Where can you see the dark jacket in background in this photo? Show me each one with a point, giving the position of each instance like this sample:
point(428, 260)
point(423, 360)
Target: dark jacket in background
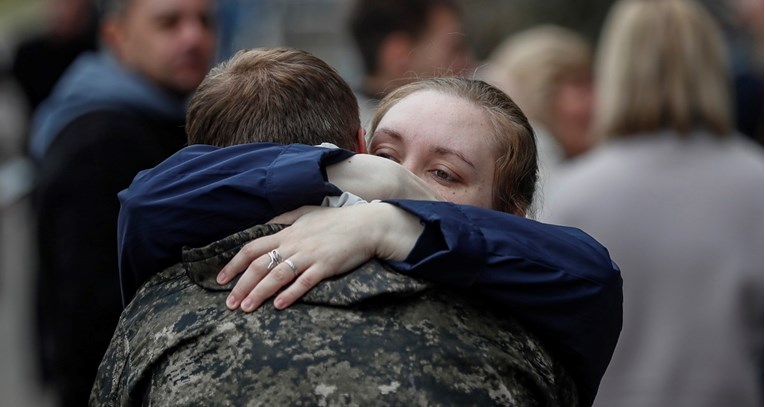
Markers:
point(99, 128)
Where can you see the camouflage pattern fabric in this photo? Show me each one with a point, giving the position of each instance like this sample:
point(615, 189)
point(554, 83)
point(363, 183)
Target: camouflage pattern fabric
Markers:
point(370, 337)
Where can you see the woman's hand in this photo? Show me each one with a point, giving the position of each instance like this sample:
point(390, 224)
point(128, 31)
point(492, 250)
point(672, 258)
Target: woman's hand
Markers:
point(322, 242)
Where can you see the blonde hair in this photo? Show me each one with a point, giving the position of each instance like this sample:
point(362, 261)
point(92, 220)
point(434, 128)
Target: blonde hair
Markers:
point(661, 66)
point(515, 173)
point(532, 63)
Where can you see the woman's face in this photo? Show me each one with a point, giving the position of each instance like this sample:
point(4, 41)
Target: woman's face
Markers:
point(442, 139)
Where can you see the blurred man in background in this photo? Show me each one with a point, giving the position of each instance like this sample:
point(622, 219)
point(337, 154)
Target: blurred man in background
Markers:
point(403, 40)
point(111, 115)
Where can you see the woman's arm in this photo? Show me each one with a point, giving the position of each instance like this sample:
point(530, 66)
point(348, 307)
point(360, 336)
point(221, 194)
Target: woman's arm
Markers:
point(322, 242)
point(204, 193)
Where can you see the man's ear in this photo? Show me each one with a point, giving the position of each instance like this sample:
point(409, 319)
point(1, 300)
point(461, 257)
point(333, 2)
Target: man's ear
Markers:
point(361, 141)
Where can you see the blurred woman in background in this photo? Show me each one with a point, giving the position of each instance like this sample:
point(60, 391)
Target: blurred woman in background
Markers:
point(547, 70)
point(677, 198)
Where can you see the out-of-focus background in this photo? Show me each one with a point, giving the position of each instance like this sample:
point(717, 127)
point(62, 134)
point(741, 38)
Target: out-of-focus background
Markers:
point(318, 26)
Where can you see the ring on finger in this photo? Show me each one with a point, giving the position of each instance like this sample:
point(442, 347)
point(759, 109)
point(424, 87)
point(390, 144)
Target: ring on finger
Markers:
point(275, 257)
point(292, 266)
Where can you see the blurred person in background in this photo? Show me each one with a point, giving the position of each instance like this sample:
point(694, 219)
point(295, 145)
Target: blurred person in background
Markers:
point(677, 197)
point(41, 60)
point(111, 115)
point(548, 71)
point(400, 41)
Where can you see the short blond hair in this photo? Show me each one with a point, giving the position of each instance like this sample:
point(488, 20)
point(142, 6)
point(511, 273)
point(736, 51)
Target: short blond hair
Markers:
point(533, 62)
point(661, 66)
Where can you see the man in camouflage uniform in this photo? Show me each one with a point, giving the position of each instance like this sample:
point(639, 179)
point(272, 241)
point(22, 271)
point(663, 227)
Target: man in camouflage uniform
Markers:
point(369, 337)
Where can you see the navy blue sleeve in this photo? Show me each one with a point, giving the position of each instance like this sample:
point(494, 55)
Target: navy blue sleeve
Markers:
point(205, 193)
point(558, 281)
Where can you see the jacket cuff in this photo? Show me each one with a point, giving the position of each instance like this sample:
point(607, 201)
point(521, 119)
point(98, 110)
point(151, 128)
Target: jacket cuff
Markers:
point(450, 250)
point(298, 174)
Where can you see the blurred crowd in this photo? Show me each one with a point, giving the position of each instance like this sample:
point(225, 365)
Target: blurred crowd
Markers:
point(649, 137)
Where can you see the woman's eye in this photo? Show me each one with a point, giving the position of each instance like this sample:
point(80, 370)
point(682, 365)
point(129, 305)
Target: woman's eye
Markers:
point(443, 175)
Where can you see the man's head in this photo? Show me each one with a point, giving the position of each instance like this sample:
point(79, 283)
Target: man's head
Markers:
point(276, 95)
point(171, 42)
point(403, 40)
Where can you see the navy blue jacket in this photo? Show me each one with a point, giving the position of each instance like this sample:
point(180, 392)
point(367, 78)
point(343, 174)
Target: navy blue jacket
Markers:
point(557, 280)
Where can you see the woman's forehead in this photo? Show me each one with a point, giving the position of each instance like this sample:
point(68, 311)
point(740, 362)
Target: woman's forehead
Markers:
point(437, 119)
point(430, 109)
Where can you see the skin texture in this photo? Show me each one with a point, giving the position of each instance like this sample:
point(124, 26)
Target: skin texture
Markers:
point(442, 139)
point(170, 41)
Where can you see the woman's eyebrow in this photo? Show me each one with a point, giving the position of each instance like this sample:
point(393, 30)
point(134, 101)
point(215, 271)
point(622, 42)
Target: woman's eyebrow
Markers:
point(388, 132)
point(447, 151)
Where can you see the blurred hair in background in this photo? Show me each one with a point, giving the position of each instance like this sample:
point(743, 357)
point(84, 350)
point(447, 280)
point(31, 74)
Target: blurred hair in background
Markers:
point(547, 70)
point(676, 195)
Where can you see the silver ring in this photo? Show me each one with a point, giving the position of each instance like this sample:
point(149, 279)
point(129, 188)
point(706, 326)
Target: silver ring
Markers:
point(292, 266)
point(275, 257)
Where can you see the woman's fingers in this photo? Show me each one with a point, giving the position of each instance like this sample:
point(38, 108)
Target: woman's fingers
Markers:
point(303, 283)
point(254, 273)
point(243, 259)
point(266, 287)
point(321, 243)
point(290, 217)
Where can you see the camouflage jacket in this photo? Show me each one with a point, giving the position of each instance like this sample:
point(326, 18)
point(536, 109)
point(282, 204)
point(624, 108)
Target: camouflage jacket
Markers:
point(370, 337)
